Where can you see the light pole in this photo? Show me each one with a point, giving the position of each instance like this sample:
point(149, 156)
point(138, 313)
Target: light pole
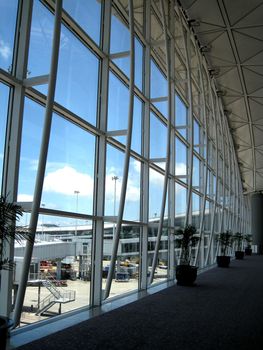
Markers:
point(42, 224)
point(76, 192)
point(114, 178)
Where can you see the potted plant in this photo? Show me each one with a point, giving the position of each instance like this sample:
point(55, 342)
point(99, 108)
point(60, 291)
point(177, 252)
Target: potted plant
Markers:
point(10, 213)
point(239, 253)
point(248, 239)
point(225, 240)
point(186, 239)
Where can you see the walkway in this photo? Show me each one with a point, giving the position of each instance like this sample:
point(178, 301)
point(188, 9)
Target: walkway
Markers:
point(223, 311)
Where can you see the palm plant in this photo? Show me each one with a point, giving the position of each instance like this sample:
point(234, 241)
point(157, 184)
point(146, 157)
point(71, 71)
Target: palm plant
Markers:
point(186, 240)
point(10, 213)
point(225, 240)
point(238, 237)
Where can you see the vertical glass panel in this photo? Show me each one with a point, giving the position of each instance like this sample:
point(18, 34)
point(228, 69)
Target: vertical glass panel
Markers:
point(158, 139)
point(8, 14)
point(118, 104)
point(40, 42)
point(4, 97)
point(180, 205)
point(120, 43)
point(196, 172)
point(77, 79)
point(87, 14)
point(156, 181)
point(181, 116)
point(118, 112)
point(195, 210)
point(207, 217)
point(196, 136)
point(180, 160)
point(158, 82)
point(62, 259)
point(127, 262)
point(162, 261)
point(132, 200)
point(31, 138)
point(114, 171)
point(69, 177)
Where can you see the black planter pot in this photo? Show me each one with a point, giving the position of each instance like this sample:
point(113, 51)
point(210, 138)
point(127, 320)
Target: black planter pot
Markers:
point(223, 261)
point(248, 251)
point(186, 275)
point(239, 255)
point(4, 325)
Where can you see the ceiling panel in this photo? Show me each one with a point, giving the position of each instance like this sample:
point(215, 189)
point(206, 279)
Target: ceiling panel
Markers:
point(234, 39)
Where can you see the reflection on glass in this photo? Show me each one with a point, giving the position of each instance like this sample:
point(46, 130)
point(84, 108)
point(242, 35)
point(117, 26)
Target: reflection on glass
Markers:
point(4, 96)
point(8, 14)
point(87, 14)
point(126, 274)
point(60, 269)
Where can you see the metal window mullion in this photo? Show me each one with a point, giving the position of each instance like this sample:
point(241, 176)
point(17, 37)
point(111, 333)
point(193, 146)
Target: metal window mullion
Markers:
point(215, 112)
point(188, 216)
point(168, 146)
point(203, 205)
point(13, 140)
point(101, 146)
point(171, 188)
point(146, 151)
point(41, 163)
point(223, 128)
point(127, 157)
point(229, 226)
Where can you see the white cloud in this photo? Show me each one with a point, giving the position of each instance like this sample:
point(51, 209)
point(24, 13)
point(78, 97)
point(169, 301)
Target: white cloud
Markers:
point(5, 50)
point(24, 198)
point(66, 180)
point(132, 194)
point(180, 169)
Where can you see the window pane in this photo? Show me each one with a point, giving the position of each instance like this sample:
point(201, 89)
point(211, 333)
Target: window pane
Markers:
point(40, 42)
point(158, 137)
point(8, 13)
point(120, 42)
point(180, 205)
point(87, 14)
point(127, 262)
point(196, 172)
point(158, 87)
point(180, 160)
point(156, 181)
point(77, 80)
point(196, 136)
point(31, 137)
point(195, 210)
point(4, 96)
point(180, 116)
point(69, 177)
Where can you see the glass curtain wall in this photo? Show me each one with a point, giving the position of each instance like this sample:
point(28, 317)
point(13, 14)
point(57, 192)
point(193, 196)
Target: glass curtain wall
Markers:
point(108, 212)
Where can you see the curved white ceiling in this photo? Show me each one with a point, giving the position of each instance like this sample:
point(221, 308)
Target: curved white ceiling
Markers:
point(230, 33)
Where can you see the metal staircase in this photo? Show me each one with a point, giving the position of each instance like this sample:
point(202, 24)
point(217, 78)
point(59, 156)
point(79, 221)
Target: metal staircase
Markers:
point(56, 296)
